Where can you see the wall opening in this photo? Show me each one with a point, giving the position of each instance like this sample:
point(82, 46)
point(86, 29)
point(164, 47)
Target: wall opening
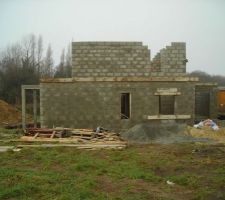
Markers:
point(125, 105)
point(202, 102)
point(166, 104)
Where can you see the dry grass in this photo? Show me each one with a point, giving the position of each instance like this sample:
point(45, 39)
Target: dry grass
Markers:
point(217, 135)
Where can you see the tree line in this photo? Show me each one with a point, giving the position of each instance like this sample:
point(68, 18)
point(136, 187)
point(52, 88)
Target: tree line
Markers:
point(205, 77)
point(26, 62)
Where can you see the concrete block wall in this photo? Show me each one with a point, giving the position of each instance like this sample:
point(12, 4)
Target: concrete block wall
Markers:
point(92, 104)
point(170, 61)
point(110, 59)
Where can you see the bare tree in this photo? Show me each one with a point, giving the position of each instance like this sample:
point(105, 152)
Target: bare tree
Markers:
point(62, 59)
point(204, 77)
point(17, 68)
point(48, 63)
point(33, 50)
point(60, 69)
point(64, 67)
point(68, 61)
point(28, 48)
point(12, 56)
point(39, 54)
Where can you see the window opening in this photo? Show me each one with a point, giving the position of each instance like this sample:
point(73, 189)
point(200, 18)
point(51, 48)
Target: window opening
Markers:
point(125, 105)
point(166, 104)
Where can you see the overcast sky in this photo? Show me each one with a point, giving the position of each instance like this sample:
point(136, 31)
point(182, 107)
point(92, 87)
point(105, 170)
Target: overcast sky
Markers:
point(199, 23)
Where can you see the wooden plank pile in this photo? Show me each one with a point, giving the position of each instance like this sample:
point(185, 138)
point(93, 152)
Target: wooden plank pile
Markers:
point(45, 132)
point(89, 146)
point(78, 138)
point(71, 135)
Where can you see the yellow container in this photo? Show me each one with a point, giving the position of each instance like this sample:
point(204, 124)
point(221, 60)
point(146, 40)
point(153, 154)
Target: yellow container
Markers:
point(221, 101)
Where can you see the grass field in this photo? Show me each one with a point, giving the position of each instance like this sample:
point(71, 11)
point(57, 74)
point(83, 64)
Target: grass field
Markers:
point(138, 172)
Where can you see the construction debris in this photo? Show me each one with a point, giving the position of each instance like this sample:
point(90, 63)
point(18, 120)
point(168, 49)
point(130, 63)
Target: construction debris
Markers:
point(9, 148)
point(93, 139)
point(45, 132)
point(170, 182)
point(6, 148)
point(208, 123)
point(78, 146)
point(84, 134)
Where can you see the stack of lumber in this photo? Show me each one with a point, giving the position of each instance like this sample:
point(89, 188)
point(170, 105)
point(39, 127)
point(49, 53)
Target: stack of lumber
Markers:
point(88, 134)
point(45, 132)
point(78, 138)
point(71, 135)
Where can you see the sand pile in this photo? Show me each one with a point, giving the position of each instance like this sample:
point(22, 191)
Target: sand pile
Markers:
point(8, 114)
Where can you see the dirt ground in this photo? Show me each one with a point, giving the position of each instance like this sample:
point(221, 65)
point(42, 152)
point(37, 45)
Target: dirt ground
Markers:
point(8, 113)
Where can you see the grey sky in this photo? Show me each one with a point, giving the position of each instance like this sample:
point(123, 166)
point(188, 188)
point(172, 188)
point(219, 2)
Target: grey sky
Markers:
point(199, 23)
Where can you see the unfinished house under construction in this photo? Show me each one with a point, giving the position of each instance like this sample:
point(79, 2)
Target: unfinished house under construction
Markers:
point(116, 85)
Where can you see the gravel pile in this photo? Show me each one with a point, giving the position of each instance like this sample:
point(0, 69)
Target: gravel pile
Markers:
point(160, 133)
